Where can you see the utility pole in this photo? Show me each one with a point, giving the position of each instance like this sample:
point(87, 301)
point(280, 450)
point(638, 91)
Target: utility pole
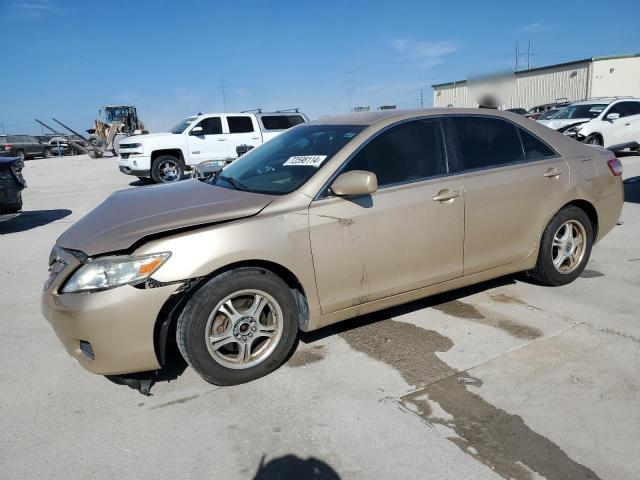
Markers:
point(2, 126)
point(421, 98)
point(529, 55)
point(517, 56)
point(222, 93)
point(349, 87)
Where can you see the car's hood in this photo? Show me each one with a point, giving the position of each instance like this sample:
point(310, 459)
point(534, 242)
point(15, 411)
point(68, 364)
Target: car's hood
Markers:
point(130, 215)
point(562, 122)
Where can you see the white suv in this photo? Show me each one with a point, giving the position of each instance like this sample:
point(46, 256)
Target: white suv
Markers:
point(613, 123)
point(212, 138)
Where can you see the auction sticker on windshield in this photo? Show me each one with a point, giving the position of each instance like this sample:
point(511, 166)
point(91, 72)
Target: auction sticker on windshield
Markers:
point(306, 160)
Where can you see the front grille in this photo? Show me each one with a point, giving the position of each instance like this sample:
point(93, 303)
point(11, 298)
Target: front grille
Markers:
point(124, 155)
point(87, 349)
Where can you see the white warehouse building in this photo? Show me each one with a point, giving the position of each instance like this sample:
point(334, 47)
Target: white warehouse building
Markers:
point(592, 77)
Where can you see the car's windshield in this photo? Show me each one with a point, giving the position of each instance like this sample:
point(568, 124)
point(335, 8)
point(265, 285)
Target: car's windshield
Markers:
point(283, 164)
point(179, 128)
point(548, 114)
point(589, 110)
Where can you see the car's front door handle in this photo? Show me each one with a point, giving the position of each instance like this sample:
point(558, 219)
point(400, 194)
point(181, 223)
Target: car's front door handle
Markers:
point(445, 195)
point(221, 139)
point(552, 173)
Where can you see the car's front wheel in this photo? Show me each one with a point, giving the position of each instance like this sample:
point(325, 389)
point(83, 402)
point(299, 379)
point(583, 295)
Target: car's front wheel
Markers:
point(593, 139)
point(167, 169)
point(239, 326)
point(46, 153)
point(565, 247)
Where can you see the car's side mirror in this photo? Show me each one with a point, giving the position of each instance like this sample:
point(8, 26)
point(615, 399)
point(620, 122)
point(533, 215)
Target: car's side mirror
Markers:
point(356, 182)
point(196, 131)
point(613, 116)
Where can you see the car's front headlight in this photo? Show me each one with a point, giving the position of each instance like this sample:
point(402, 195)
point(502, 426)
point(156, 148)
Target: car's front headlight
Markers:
point(109, 272)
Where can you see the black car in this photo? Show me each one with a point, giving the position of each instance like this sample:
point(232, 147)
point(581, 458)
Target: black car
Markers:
point(11, 185)
point(23, 146)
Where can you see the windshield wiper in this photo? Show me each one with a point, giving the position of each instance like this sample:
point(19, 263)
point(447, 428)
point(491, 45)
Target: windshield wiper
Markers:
point(236, 184)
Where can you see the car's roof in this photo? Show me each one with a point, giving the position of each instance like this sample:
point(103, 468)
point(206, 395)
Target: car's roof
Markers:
point(245, 113)
point(370, 118)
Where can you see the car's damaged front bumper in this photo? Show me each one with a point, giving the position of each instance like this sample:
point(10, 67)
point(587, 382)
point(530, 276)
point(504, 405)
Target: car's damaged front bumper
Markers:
point(109, 332)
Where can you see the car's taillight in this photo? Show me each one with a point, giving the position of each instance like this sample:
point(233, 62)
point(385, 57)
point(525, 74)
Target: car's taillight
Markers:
point(615, 166)
point(7, 147)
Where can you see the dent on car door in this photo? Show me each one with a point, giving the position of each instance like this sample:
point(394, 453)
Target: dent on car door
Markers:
point(407, 235)
point(513, 182)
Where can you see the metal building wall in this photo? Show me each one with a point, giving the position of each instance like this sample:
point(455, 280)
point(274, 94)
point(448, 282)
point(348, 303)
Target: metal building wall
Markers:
point(532, 88)
point(615, 77)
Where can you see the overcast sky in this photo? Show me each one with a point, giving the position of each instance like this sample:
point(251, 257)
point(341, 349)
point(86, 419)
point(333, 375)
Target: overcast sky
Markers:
point(68, 58)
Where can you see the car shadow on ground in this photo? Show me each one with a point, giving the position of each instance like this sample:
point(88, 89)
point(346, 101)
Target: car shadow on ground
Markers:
point(32, 219)
point(420, 304)
point(626, 153)
point(175, 365)
point(632, 190)
point(291, 467)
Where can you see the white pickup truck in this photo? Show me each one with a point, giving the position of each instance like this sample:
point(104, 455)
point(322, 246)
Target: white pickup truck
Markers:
point(210, 137)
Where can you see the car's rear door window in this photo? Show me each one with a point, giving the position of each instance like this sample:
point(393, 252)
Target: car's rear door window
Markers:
point(534, 149)
point(405, 153)
point(485, 142)
point(240, 124)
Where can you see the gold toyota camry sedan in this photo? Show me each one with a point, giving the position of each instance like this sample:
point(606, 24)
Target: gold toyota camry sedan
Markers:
point(332, 219)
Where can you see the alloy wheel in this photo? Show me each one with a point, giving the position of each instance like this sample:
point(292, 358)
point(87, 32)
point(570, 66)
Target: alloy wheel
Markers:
point(568, 246)
point(169, 171)
point(244, 328)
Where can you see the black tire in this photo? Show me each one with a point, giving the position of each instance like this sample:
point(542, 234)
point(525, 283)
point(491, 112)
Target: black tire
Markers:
point(593, 139)
point(192, 325)
point(167, 169)
point(545, 272)
point(46, 153)
point(7, 208)
point(20, 153)
point(145, 179)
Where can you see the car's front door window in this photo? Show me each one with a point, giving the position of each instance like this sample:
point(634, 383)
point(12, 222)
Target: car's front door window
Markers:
point(405, 153)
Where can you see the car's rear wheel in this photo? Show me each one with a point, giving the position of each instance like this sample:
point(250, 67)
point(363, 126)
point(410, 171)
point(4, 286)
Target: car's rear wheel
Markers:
point(239, 326)
point(565, 247)
point(167, 169)
point(20, 153)
point(593, 139)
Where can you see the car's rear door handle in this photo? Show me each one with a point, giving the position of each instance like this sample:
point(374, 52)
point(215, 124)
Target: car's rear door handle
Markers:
point(552, 173)
point(221, 139)
point(444, 195)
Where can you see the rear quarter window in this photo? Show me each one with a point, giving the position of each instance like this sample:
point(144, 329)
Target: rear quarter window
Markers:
point(280, 122)
point(534, 149)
